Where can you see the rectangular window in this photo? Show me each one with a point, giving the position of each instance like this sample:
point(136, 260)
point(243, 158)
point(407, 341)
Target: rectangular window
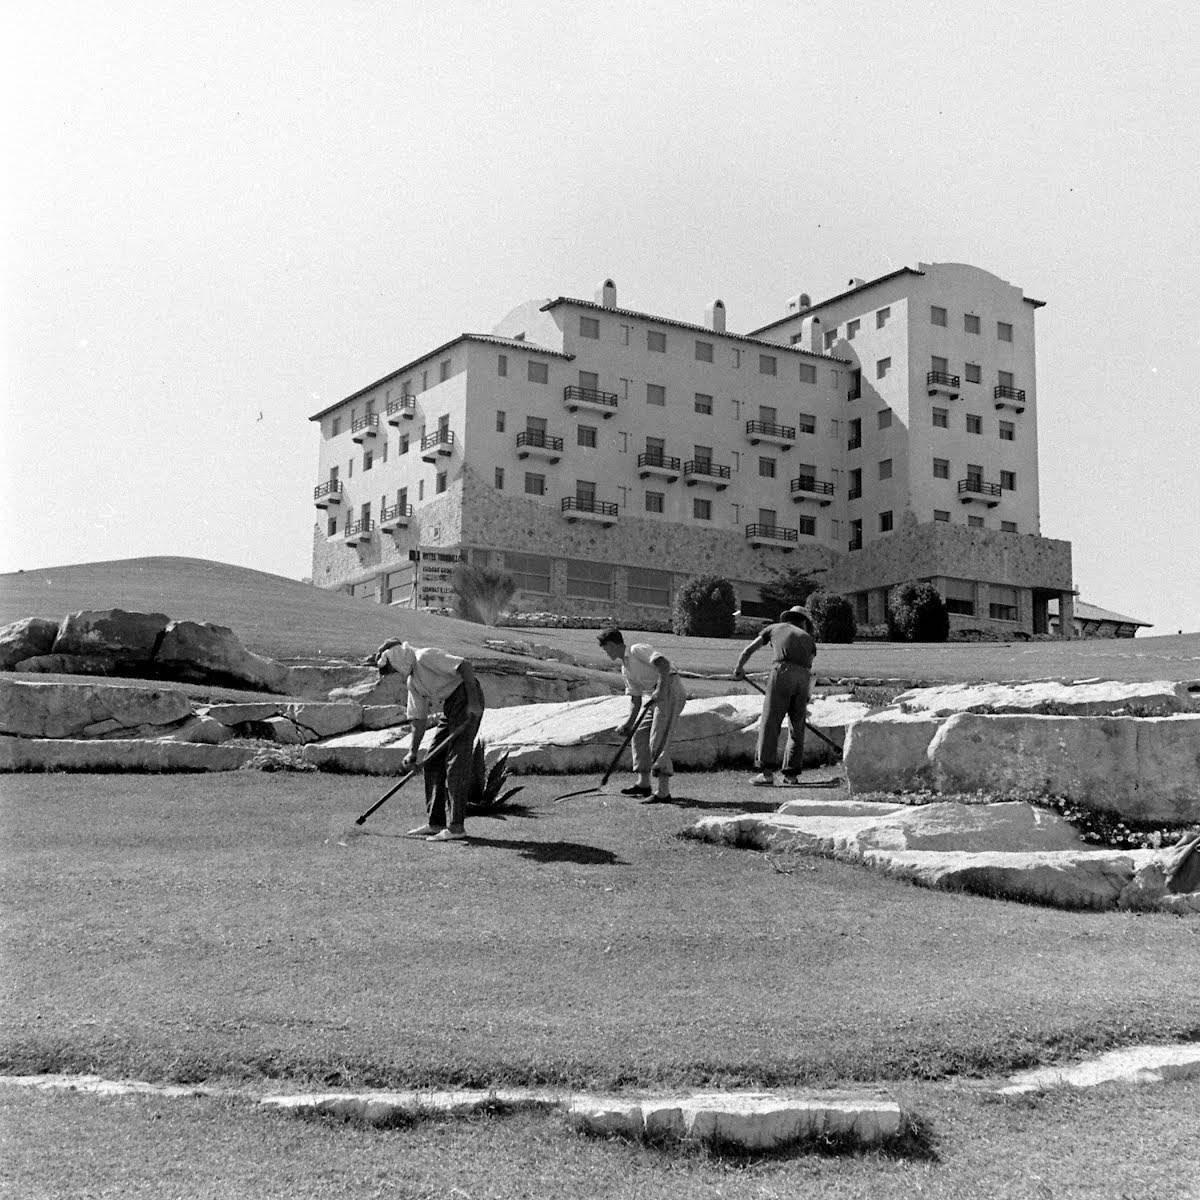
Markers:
point(502, 365)
point(808, 526)
point(440, 482)
point(767, 364)
point(736, 358)
point(885, 468)
point(1002, 602)
point(852, 328)
point(974, 423)
point(855, 430)
point(368, 459)
point(500, 479)
point(537, 426)
point(702, 509)
point(424, 381)
point(589, 327)
point(538, 372)
point(535, 485)
point(444, 370)
point(767, 413)
point(973, 372)
point(1008, 431)
point(855, 384)
point(768, 517)
point(656, 341)
point(1004, 331)
point(704, 403)
point(336, 427)
point(1008, 526)
point(854, 484)
point(937, 316)
point(881, 317)
point(704, 351)
point(831, 338)
point(941, 418)
point(941, 468)
point(644, 586)
point(806, 423)
point(404, 443)
point(1004, 378)
point(970, 323)
point(885, 418)
point(808, 373)
point(499, 420)
point(530, 572)
point(1008, 481)
point(586, 436)
point(589, 580)
point(882, 367)
point(420, 490)
point(656, 394)
point(331, 529)
point(766, 468)
point(937, 363)
point(654, 501)
point(885, 521)
point(940, 514)
point(975, 522)
point(960, 597)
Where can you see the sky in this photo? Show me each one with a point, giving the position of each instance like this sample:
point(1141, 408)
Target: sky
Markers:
point(220, 218)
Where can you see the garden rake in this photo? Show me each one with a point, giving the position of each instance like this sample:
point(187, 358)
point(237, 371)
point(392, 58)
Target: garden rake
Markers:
point(356, 829)
point(612, 766)
point(811, 728)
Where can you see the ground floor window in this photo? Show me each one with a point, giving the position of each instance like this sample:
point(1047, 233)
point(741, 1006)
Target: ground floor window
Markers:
point(960, 597)
point(589, 580)
point(530, 572)
point(644, 586)
point(1002, 603)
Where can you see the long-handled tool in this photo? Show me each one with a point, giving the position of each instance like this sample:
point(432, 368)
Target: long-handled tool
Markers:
point(439, 747)
point(612, 766)
point(812, 728)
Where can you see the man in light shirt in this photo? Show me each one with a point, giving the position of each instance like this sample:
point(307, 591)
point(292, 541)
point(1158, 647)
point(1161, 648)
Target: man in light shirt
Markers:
point(647, 672)
point(437, 677)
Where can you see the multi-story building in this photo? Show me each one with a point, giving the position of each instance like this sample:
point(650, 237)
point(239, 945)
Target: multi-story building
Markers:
point(603, 455)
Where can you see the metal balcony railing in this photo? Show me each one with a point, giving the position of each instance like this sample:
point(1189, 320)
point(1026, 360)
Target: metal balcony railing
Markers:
point(1005, 391)
point(604, 508)
point(370, 421)
point(589, 396)
point(439, 437)
point(405, 406)
point(941, 378)
point(775, 532)
point(854, 443)
point(705, 467)
point(770, 429)
point(809, 483)
point(541, 441)
point(395, 512)
point(977, 487)
point(359, 528)
point(854, 494)
point(656, 458)
point(331, 487)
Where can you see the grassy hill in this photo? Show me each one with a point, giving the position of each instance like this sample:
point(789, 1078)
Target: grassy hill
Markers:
point(294, 621)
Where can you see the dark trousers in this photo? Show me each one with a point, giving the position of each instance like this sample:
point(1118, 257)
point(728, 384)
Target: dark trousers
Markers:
point(448, 776)
point(787, 696)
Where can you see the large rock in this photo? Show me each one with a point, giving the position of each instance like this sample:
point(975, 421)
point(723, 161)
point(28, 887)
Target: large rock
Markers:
point(131, 637)
point(70, 664)
point(67, 754)
point(30, 637)
point(203, 651)
point(322, 720)
point(316, 682)
point(1086, 699)
point(1147, 769)
point(55, 710)
point(202, 731)
point(887, 751)
point(244, 713)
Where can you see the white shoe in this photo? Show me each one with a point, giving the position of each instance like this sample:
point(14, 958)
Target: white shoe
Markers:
point(425, 831)
point(763, 780)
point(449, 835)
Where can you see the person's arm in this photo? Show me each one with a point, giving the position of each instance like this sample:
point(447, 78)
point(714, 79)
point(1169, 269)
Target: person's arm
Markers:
point(662, 664)
point(739, 672)
point(418, 732)
point(474, 704)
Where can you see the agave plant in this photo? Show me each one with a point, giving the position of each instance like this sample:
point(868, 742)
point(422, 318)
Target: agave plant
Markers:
point(488, 791)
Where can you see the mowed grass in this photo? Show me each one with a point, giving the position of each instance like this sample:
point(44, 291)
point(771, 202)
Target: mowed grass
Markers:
point(201, 928)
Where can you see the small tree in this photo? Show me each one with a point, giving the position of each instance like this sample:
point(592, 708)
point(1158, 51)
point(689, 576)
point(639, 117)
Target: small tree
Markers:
point(792, 585)
point(833, 617)
point(481, 593)
point(916, 612)
point(704, 607)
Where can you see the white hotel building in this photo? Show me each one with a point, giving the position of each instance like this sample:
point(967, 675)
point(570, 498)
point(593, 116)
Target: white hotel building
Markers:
point(603, 455)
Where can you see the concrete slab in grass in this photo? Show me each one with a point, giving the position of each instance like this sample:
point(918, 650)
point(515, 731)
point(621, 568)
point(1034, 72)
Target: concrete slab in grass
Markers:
point(1133, 1065)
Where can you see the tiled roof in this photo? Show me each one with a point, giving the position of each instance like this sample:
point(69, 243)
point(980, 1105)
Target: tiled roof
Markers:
point(1091, 612)
point(862, 287)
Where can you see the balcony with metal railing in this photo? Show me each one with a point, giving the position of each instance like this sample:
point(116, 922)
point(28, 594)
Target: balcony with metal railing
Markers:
point(582, 508)
point(395, 516)
point(439, 443)
point(1007, 396)
point(590, 399)
point(855, 544)
point(655, 462)
point(536, 444)
point(772, 535)
point(327, 493)
point(364, 428)
point(809, 489)
point(358, 532)
point(402, 409)
point(942, 383)
point(707, 473)
point(783, 436)
point(972, 490)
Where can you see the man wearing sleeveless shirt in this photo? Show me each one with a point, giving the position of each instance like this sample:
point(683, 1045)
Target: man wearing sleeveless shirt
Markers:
point(793, 649)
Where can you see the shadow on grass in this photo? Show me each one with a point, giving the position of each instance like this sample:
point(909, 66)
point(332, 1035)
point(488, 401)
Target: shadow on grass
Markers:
point(553, 852)
point(730, 806)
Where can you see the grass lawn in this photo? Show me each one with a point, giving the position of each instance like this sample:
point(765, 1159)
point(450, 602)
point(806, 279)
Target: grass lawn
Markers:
point(198, 927)
point(1115, 1145)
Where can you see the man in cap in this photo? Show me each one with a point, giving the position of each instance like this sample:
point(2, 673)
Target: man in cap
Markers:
point(793, 649)
point(434, 677)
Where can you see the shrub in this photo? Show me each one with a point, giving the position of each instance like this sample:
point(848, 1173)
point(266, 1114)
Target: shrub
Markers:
point(704, 607)
point(786, 587)
point(488, 792)
point(916, 612)
point(481, 593)
point(833, 617)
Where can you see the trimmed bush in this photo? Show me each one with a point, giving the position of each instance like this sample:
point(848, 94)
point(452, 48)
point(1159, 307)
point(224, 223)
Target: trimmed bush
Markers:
point(916, 612)
point(481, 593)
point(787, 587)
point(704, 607)
point(833, 616)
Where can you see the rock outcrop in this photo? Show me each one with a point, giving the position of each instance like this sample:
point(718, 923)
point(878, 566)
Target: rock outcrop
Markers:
point(25, 639)
point(59, 710)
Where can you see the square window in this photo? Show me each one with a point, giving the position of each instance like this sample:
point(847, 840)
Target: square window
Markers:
point(970, 323)
point(831, 338)
point(941, 365)
point(941, 468)
point(885, 521)
point(882, 367)
point(440, 482)
point(808, 526)
point(885, 418)
point(500, 479)
point(1008, 527)
point(808, 373)
point(586, 436)
point(704, 351)
point(973, 372)
point(806, 423)
point(941, 418)
point(1004, 331)
point(766, 468)
point(502, 365)
point(881, 317)
point(656, 394)
point(589, 327)
point(1008, 431)
point(885, 468)
point(656, 341)
point(975, 522)
point(974, 423)
point(538, 372)
point(704, 403)
point(852, 328)
point(654, 501)
point(1008, 481)
point(767, 364)
point(702, 509)
point(535, 485)
point(937, 316)
point(499, 420)
point(940, 514)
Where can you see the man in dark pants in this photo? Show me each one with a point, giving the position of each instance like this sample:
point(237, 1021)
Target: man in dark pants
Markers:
point(437, 677)
point(793, 649)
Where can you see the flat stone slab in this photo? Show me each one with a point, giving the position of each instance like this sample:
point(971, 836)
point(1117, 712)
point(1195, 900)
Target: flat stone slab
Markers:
point(1133, 1065)
point(118, 754)
point(1089, 698)
point(53, 710)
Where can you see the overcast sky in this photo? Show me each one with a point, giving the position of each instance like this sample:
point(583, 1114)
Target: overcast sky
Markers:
point(222, 217)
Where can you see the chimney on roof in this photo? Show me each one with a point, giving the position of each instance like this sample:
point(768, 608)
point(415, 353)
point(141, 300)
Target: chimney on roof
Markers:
point(606, 294)
point(810, 335)
point(797, 304)
point(856, 282)
point(714, 316)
